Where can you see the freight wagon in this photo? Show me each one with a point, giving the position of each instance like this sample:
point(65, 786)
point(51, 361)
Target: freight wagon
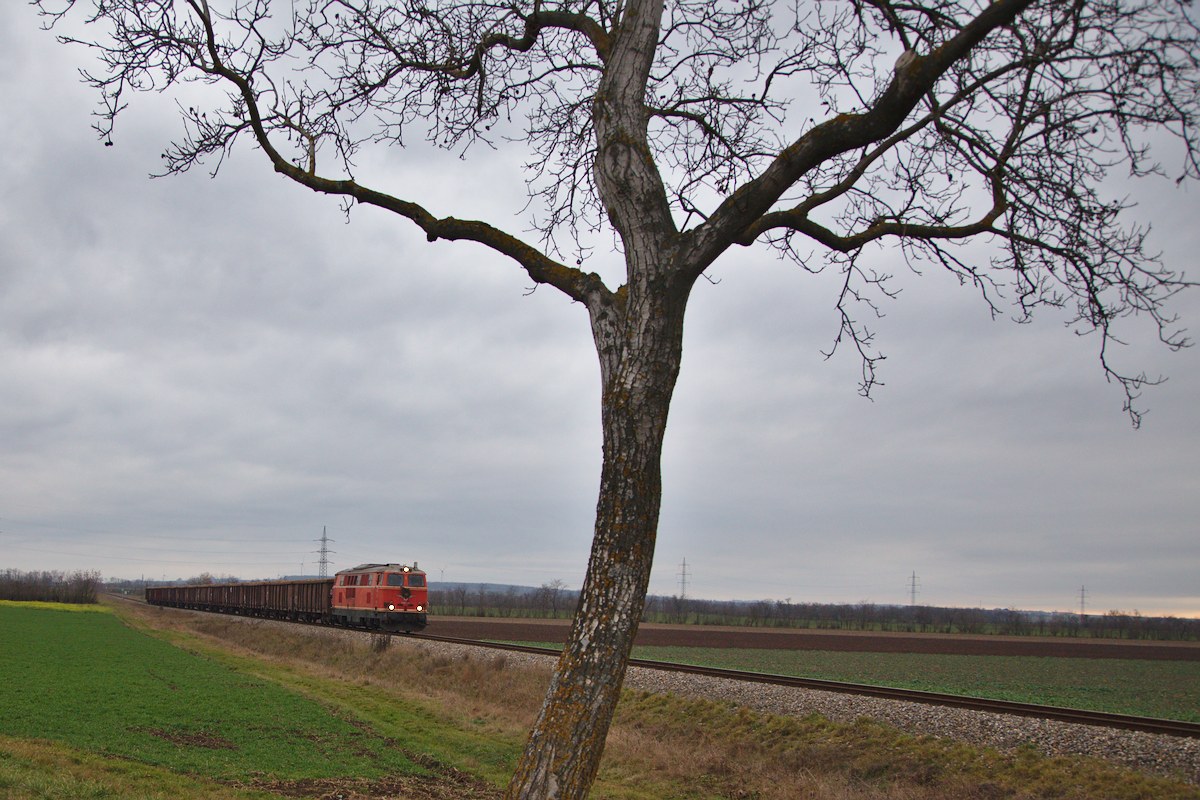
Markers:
point(392, 597)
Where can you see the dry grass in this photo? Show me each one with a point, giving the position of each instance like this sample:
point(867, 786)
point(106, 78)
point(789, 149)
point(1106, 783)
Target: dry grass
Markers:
point(664, 747)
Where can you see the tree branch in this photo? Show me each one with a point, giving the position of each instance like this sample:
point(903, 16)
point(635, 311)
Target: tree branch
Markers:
point(585, 288)
point(913, 79)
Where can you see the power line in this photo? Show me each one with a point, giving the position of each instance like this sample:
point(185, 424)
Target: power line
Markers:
point(71, 530)
point(236, 560)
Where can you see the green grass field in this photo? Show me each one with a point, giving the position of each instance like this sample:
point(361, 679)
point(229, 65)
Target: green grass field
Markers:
point(1166, 689)
point(90, 682)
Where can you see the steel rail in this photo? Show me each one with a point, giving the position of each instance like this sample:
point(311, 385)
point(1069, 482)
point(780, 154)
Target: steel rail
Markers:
point(1057, 713)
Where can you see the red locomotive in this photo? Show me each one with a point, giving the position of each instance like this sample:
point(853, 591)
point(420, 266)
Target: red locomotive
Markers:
point(391, 597)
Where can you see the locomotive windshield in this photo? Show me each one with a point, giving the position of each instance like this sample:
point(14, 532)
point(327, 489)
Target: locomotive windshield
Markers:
point(397, 579)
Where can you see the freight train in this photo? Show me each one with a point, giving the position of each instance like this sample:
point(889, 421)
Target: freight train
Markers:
point(390, 597)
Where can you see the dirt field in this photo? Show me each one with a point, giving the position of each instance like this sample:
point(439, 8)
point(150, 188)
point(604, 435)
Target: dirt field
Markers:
point(527, 630)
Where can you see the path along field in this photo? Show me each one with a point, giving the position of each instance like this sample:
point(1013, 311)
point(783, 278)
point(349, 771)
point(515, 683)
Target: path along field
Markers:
point(1154, 679)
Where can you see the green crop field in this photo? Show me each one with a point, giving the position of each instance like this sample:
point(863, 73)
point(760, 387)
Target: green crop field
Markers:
point(1166, 689)
point(90, 682)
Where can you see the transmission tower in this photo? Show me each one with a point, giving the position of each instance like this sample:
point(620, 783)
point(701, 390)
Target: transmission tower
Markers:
point(912, 590)
point(683, 579)
point(1082, 604)
point(323, 563)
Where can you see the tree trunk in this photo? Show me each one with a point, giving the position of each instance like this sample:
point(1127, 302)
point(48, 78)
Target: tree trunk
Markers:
point(640, 349)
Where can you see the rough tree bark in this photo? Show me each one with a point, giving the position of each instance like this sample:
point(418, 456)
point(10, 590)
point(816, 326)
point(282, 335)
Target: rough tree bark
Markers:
point(641, 350)
point(639, 341)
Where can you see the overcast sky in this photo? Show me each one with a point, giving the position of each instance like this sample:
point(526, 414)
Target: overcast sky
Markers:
point(199, 375)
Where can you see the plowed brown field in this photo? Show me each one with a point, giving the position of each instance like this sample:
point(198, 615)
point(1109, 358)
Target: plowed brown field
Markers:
point(555, 631)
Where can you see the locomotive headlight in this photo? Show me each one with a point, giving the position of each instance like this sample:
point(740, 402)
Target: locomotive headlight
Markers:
point(391, 606)
point(420, 608)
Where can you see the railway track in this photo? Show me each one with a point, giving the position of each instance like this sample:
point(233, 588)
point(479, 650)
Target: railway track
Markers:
point(1076, 716)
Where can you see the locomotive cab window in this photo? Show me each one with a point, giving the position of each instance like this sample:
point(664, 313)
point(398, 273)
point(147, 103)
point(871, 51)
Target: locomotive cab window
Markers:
point(416, 580)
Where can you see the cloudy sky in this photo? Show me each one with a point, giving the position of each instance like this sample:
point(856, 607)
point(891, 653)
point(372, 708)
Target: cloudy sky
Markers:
point(200, 375)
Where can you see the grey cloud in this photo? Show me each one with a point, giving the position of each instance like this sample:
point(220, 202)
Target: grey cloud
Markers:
point(199, 374)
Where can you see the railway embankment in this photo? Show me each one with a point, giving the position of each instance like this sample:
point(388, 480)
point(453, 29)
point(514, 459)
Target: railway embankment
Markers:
point(1153, 753)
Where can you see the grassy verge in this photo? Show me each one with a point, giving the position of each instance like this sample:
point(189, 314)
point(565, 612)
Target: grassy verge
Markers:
point(783, 757)
point(52, 771)
point(462, 720)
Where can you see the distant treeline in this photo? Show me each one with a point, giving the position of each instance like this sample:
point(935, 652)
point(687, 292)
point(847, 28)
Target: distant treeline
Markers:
point(554, 600)
point(49, 587)
point(550, 600)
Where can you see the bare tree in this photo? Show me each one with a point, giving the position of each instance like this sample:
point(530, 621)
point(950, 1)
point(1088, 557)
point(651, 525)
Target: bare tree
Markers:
point(827, 130)
point(458, 597)
point(554, 594)
point(50, 586)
